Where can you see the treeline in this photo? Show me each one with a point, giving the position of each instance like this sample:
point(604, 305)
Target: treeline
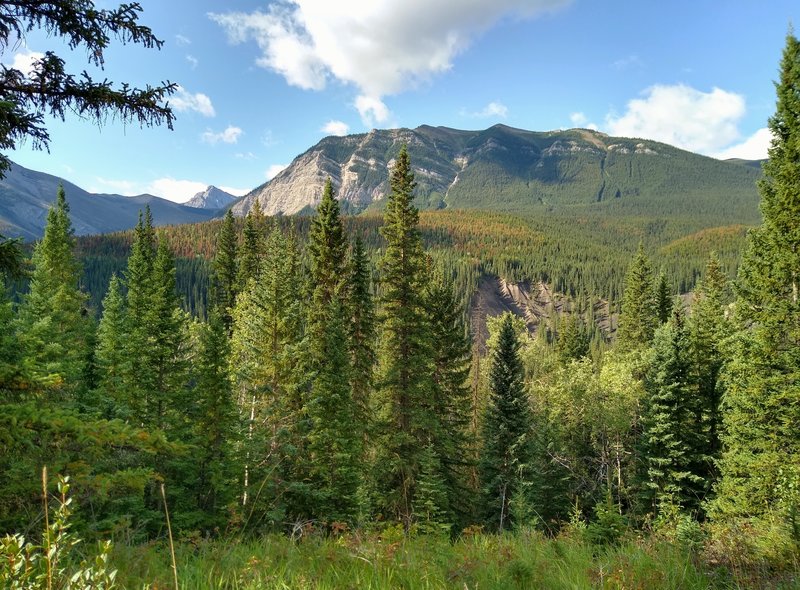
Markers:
point(328, 390)
point(576, 252)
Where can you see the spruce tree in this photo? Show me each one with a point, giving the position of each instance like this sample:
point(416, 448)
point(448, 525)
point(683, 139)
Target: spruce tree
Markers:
point(451, 400)
point(252, 251)
point(506, 452)
point(573, 338)
point(405, 356)
point(334, 435)
point(52, 324)
point(267, 349)
point(225, 276)
point(215, 426)
point(669, 422)
point(110, 353)
point(139, 282)
point(708, 330)
point(361, 329)
point(639, 314)
point(663, 298)
point(761, 441)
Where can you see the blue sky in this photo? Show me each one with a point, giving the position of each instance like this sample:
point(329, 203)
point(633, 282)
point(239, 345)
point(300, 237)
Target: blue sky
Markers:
point(261, 82)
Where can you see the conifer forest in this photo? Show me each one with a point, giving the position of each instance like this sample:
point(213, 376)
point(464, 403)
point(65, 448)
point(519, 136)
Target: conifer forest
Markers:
point(310, 402)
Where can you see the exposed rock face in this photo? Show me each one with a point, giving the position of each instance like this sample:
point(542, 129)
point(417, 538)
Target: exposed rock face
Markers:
point(500, 167)
point(211, 198)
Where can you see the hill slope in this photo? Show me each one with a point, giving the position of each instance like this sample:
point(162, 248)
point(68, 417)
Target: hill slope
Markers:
point(211, 198)
point(502, 168)
point(26, 195)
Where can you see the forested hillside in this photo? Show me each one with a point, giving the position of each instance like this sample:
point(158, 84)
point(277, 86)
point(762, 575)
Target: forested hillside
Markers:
point(328, 416)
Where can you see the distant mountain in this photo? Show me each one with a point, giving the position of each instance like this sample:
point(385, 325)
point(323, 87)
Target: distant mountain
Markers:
point(26, 195)
point(502, 168)
point(211, 198)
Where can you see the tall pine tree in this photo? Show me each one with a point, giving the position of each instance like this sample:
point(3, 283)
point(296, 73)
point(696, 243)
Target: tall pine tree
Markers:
point(639, 314)
point(225, 283)
point(761, 441)
point(52, 324)
point(507, 451)
point(406, 422)
point(334, 435)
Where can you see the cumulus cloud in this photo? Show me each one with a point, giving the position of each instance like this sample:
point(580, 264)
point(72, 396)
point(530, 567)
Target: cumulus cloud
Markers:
point(274, 170)
point(704, 122)
point(579, 119)
point(753, 148)
point(381, 48)
point(335, 128)
point(494, 109)
point(372, 110)
point(127, 188)
point(183, 101)
point(230, 134)
point(236, 192)
point(178, 191)
point(23, 60)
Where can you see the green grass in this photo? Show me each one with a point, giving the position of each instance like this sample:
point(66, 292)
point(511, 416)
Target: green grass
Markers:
point(522, 560)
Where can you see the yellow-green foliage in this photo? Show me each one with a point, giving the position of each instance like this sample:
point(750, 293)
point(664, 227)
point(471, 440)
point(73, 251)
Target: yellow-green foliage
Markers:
point(390, 560)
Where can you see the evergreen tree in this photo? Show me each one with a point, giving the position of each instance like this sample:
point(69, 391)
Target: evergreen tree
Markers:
point(334, 439)
point(267, 347)
point(225, 277)
point(506, 452)
point(405, 356)
point(139, 281)
point(451, 401)
point(361, 329)
point(669, 422)
point(110, 353)
point(708, 330)
point(573, 338)
point(253, 245)
point(663, 298)
point(639, 314)
point(215, 426)
point(761, 440)
point(334, 435)
point(53, 325)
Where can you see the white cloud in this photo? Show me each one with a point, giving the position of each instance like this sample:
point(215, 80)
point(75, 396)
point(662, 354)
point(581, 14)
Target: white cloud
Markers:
point(753, 148)
point(182, 40)
point(579, 119)
point(236, 192)
point(372, 110)
point(625, 63)
point(183, 101)
point(680, 115)
point(23, 60)
point(178, 191)
point(230, 134)
point(245, 155)
point(381, 48)
point(127, 188)
point(493, 109)
point(274, 170)
point(193, 61)
point(335, 128)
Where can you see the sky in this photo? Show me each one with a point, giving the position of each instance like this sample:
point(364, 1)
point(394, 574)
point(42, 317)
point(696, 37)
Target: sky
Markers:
point(261, 82)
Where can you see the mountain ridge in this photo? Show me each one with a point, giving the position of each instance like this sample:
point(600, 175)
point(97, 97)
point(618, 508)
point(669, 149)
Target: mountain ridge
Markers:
point(26, 195)
point(501, 168)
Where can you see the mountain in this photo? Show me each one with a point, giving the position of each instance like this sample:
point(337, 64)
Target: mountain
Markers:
point(26, 195)
point(211, 198)
point(502, 168)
